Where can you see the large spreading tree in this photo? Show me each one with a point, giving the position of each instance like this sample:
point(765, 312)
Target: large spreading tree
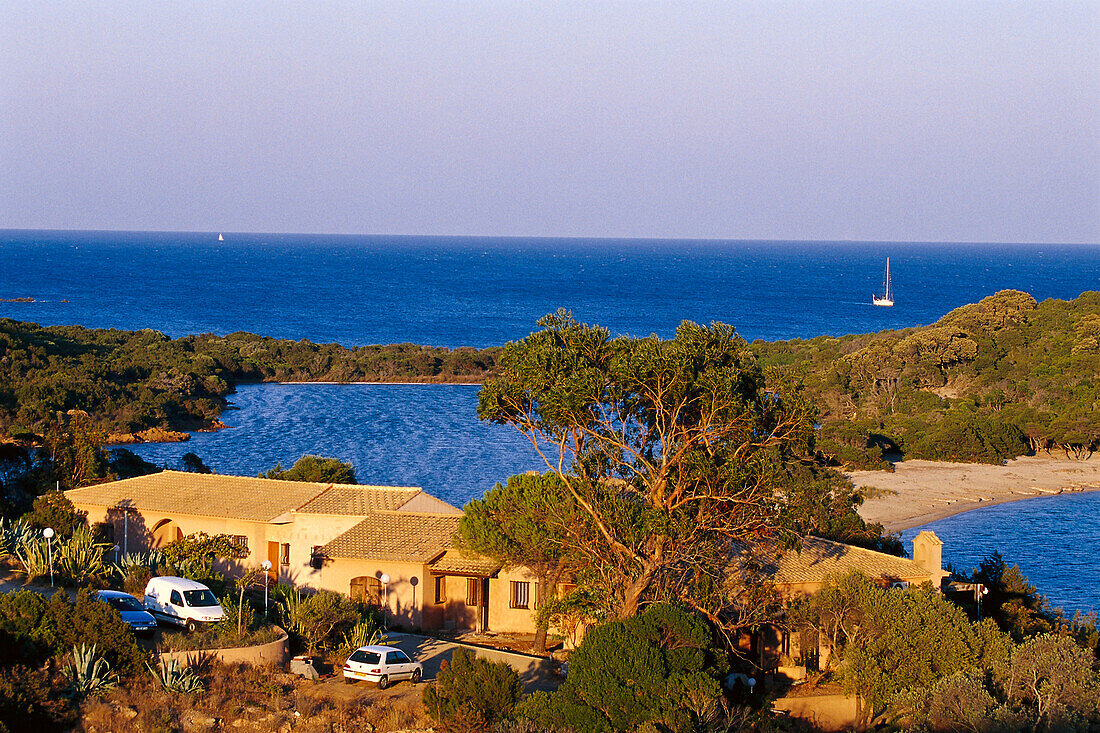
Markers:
point(668, 451)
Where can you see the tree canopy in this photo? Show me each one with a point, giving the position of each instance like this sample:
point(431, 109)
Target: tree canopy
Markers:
point(668, 451)
point(315, 469)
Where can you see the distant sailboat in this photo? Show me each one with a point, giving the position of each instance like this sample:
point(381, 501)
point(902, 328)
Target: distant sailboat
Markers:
point(221, 238)
point(887, 298)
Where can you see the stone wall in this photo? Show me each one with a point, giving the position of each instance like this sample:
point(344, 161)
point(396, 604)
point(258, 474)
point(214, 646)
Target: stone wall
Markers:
point(273, 652)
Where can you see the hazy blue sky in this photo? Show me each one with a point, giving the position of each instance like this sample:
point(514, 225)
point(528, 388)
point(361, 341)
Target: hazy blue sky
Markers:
point(954, 121)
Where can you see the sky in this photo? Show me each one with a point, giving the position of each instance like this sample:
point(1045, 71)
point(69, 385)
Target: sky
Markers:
point(897, 121)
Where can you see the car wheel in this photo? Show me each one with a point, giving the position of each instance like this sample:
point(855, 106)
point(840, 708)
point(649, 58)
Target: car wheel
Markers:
point(192, 626)
point(383, 682)
point(416, 676)
point(349, 681)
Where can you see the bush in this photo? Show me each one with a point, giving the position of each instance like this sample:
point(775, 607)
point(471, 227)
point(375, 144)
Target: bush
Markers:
point(29, 702)
point(658, 669)
point(54, 509)
point(38, 629)
point(471, 693)
point(135, 579)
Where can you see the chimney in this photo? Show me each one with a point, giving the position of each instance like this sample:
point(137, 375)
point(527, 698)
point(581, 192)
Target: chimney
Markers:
point(928, 553)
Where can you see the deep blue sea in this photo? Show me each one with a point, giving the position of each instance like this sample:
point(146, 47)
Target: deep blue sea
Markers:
point(484, 291)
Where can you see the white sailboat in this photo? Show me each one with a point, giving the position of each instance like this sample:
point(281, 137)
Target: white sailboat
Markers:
point(887, 298)
point(221, 238)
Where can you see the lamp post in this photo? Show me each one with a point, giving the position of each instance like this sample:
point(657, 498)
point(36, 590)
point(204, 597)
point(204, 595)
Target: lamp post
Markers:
point(385, 600)
point(48, 534)
point(980, 591)
point(266, 565)
point(116, 548)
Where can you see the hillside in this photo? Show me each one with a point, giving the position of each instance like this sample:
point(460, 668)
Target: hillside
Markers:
point(133, 380)
point(989, 381)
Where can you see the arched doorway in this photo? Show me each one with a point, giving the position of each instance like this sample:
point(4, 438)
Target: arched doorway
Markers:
point(166, 531)
point(366, 588)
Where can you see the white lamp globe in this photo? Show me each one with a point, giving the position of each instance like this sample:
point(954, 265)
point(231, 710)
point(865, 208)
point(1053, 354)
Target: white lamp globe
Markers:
point(266, 565)
point(385, 578)
point(48, 532)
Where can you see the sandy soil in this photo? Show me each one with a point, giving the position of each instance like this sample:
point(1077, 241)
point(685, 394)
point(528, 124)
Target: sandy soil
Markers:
point(919, 492)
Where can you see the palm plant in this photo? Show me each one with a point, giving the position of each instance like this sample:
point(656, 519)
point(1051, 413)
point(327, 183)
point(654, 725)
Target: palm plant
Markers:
point(33, 554)
point(89, 674)
point(174, 677)
point(290, 601)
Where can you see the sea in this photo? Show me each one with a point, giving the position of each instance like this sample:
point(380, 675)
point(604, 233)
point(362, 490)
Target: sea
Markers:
point(476, 291)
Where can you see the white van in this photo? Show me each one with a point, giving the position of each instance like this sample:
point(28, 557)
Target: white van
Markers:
point(182, 602)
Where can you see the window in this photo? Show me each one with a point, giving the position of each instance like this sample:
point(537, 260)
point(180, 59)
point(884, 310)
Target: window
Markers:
point(200, 598)
point(365, 657)
point(240, 541)
point(284, 554)
point(521, 594)
point(473, 588)
point(176, 599)
point(441, 589)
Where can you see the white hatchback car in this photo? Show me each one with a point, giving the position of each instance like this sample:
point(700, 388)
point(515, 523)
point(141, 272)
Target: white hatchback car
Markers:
point(381, 664)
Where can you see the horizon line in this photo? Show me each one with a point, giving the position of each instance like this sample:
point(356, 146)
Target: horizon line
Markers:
point(549, 237)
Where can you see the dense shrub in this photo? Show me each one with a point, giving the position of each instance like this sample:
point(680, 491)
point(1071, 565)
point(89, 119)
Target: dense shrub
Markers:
point(31, 703)
point(471, 693)
point(658, 669)
point(55, 510)
point(39, 629)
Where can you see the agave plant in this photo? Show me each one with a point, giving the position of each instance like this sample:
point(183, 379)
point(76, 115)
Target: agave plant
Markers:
point(174, 677)
point(12, 536)
point(150, 560)
point(364, 633)
point(89, 674)
point(33, 553)
point(81, 557)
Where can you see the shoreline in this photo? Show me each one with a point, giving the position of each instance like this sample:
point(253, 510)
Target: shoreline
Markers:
point(920, 492)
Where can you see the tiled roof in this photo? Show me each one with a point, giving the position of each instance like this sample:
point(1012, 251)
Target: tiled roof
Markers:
point(401, 536)
point(821, 558)
point(355, 499)
point(454, 562)
point(207, 495)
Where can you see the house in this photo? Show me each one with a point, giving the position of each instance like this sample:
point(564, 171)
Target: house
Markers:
point(796, 573)
point(337, 537)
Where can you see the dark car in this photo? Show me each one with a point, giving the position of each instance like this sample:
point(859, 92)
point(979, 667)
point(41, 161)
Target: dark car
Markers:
point(131, 610)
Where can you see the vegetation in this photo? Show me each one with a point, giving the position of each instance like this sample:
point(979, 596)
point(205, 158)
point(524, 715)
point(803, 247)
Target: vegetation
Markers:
point(988, 381)
point(655, 671)
point(134, 380)
point(471, 694)
point(315, 469)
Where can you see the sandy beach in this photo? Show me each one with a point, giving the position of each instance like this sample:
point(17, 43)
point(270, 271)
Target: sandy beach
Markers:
point(918, 492)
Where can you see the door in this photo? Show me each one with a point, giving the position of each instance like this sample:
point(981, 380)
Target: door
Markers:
point(273, 558)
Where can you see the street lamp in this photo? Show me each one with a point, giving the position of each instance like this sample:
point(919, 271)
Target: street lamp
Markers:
point(266, 565)
point(385, 600)
point(48, 534)
point(980, 591)
point(116, 548)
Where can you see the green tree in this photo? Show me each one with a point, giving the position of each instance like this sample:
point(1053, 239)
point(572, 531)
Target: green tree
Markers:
point(471, 693)
point(656, 671)
point(521, 524)
point(321, 617)
point(76, 449)
point(54, 509)
point(315, 469)
point(667, 448)
point(193, 464)
point(1056, 680)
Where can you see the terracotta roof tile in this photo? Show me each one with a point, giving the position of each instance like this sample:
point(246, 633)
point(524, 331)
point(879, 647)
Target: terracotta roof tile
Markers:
point(355, 499)
point(454, 562)
point(821, 558)
point(212, 495)
point(402, 536)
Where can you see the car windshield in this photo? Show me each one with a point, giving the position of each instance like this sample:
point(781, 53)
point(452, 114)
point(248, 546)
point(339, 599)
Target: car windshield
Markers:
point(364, 657)
point(124, 603)
point(200, 598)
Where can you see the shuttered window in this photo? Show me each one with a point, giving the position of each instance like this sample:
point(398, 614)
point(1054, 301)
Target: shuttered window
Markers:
point(521, 594)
